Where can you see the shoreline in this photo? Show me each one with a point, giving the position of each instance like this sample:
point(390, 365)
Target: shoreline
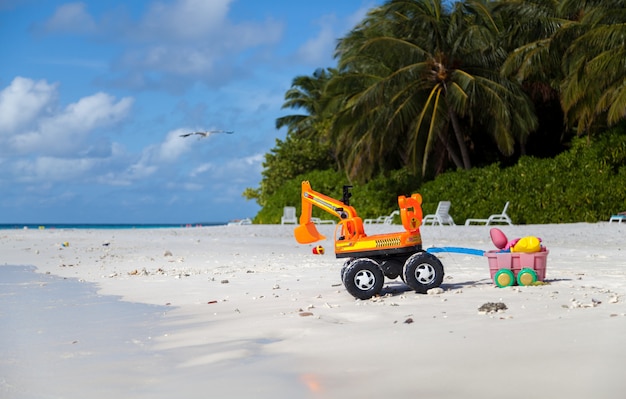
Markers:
point(247, 303)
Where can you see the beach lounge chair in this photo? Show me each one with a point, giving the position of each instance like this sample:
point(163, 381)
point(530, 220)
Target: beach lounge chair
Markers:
point(383, 219)
point(493, 219)
point(618, 218)
point(441, 216)
point(289, 215)
point(240, 222)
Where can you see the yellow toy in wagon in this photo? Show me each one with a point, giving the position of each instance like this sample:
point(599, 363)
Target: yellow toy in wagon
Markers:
point(372, 258)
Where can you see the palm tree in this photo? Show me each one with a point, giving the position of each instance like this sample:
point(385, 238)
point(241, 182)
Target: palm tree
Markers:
point(307, 93)
point(594, 88)
point(530, 27)
point(535, 43)
point(574, 50)
point(426, 75)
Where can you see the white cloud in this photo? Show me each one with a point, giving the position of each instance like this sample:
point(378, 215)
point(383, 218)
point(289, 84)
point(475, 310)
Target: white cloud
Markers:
point(51, 169)
point(320, 48)
point(358, 15)
point(161, 163)
point(174, 146)
point(172, 43)
point(163, 61)
point(177, 60)
point(184, 19)
point(241, 169)
point(94, 111)
point(137, 171)
point(22, 102)
point(71, 18)
point(62, 132)
point(201, 169)
point(156, 156)
point(191, 22)
point(31, 122)
point(42, 143)
point(235, 169)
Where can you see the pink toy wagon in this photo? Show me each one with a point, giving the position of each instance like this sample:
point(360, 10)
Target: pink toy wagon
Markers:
point(522, 261)
point(507, 268)
point(519, 261)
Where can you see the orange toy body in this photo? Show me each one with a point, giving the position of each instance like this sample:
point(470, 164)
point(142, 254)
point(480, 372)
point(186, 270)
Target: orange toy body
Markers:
point(371, 258)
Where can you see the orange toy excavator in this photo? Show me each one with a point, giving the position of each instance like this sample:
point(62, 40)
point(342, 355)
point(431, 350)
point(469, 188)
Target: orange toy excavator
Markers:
point(371, 258)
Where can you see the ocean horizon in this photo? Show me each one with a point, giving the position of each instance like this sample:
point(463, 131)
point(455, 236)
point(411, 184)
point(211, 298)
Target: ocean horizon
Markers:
point(104, 226)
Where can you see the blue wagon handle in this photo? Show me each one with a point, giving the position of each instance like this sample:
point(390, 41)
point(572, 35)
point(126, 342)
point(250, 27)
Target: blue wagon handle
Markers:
point(458, 250)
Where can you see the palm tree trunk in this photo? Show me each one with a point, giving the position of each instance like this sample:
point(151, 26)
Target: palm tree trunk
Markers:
point(455, 157)
point(459, 139)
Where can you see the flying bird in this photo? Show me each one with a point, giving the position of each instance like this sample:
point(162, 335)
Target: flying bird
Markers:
point(207, 133)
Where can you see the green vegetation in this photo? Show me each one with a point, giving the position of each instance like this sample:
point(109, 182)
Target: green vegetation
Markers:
point(584, 184)
point(479, 102)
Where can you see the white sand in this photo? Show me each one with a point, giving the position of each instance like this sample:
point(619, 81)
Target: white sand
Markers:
point(246, 312)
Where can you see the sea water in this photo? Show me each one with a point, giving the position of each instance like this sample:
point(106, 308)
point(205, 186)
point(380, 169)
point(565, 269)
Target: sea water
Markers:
point(103, 226)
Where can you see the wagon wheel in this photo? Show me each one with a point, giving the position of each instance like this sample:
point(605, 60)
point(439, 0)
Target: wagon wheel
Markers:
point(504, 278)
point(526, 276)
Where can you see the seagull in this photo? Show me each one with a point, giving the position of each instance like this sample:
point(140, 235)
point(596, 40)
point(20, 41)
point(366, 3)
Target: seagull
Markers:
point(206, 134)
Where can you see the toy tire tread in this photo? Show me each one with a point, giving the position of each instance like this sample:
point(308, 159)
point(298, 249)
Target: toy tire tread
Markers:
point(344, 267)
point(363, 278)
point(423, 271)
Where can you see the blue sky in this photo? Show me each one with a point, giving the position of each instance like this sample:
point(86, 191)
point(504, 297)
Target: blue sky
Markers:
point(94, 96)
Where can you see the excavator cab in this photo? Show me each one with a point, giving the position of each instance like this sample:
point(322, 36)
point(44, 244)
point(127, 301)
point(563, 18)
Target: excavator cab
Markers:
point(411, 211)
point(350, 229)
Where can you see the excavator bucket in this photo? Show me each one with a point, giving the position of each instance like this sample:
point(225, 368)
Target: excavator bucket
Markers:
point(307, 233)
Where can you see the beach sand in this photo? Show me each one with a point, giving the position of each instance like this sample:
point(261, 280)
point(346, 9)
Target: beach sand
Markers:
point(246, 312)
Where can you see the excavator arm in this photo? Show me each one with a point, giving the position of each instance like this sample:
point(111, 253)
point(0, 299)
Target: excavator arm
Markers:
point(307, 232)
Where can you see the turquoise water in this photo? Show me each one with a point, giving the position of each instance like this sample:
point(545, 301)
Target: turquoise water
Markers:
point(5, 226)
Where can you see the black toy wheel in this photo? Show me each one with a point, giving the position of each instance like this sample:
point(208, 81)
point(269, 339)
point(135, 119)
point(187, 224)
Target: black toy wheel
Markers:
point(363, 278)
point(423, 271)
point(345, 266)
